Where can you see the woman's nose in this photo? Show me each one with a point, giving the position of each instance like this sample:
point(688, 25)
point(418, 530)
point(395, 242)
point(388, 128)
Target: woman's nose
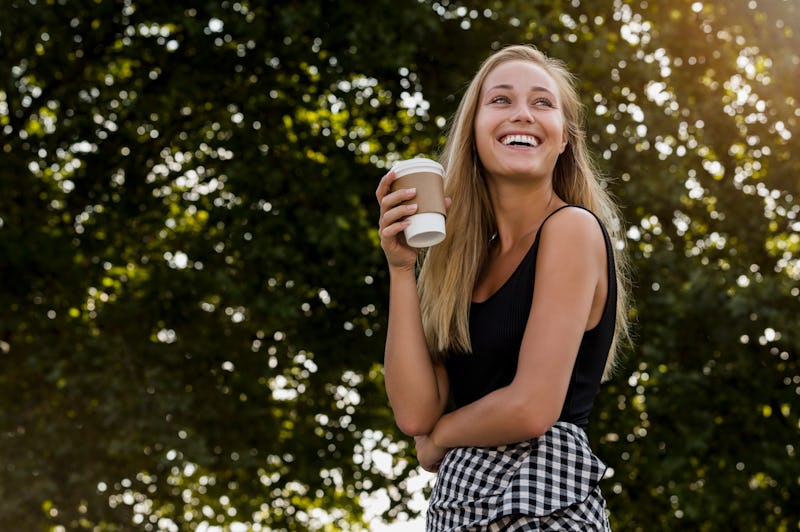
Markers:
point(522, 113)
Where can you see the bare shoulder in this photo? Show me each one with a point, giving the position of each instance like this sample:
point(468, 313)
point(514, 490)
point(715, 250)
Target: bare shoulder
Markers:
point(574, 224)
point(571, 247)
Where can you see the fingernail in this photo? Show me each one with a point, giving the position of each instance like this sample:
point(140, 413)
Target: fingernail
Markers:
point(411, 191)
point(412, 207)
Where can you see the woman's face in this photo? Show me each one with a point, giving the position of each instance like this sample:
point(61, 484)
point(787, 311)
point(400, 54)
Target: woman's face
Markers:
point(519, 125)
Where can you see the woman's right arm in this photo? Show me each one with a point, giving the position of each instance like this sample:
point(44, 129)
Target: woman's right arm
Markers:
point(417, 388)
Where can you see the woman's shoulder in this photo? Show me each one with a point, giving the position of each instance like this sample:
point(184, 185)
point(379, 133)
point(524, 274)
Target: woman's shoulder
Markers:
point(571, 220)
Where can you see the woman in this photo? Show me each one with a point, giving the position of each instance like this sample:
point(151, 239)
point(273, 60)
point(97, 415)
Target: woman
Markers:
point(516, 314)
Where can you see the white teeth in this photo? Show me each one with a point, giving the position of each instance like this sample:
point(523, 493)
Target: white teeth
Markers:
point(527, 140)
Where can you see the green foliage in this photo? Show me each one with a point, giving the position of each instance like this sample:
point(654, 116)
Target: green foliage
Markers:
point(193, 296)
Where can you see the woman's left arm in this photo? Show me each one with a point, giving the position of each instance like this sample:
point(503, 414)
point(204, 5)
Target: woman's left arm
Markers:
point(569, 290)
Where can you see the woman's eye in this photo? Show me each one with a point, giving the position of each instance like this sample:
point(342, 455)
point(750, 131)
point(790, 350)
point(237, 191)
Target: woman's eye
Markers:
point(542, 102)
point(499, 99)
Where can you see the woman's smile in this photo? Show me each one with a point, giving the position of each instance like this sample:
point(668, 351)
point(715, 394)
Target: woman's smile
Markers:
point(519, 140)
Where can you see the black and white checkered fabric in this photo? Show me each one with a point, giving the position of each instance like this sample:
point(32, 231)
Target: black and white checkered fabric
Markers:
point(548, 484)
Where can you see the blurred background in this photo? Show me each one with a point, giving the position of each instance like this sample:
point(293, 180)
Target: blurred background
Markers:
point(193, 298)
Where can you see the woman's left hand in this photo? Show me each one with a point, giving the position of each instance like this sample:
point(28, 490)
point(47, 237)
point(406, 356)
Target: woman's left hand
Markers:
point(429, 455)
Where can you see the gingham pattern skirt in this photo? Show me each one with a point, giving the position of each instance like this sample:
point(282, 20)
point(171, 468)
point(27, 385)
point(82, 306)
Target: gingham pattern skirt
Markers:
point(550, 483)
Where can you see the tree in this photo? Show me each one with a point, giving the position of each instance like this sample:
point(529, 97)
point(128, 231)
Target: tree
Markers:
point(715, 373)
point(193, 295)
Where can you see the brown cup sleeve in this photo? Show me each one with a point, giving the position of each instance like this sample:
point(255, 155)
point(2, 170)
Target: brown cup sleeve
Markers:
point(430, 191)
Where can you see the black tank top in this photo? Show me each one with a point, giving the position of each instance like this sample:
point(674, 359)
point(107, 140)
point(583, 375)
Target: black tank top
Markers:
point(496, 327)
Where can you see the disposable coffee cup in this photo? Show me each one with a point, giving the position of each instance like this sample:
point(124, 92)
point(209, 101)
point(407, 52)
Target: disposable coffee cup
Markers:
point(427, 226)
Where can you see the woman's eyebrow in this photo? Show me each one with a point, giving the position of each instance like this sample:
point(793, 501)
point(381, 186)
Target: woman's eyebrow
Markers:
point(507, 86)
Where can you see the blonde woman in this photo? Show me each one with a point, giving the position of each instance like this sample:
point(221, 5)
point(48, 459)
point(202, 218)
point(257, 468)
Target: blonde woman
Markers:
point(516, 315)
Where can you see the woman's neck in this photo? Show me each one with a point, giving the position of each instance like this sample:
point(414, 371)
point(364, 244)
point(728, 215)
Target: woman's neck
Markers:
point(519, 212)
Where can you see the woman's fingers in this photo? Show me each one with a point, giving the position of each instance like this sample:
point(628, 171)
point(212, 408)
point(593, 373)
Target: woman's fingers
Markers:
point(397, 213)
point(398, 196)
point(386, 197)
point(384, 185)
point(392, 230)
point(393, 221)
point(393, 210)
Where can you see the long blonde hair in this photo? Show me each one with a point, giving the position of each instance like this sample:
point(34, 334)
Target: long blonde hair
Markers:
point(450, 269)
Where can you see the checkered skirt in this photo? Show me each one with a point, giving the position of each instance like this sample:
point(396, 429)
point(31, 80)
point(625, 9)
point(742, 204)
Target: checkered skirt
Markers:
point(549, 483)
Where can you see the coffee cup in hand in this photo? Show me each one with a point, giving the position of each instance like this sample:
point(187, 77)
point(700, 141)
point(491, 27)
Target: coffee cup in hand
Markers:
point(427, 226)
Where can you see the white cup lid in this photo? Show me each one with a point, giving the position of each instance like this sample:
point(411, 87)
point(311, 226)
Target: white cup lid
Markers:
point(417, 164)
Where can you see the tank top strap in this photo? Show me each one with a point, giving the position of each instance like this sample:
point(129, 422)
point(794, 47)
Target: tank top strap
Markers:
point(539, 231)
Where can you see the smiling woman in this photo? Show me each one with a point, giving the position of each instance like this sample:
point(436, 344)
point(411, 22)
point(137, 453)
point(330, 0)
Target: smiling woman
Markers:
point(516, 314)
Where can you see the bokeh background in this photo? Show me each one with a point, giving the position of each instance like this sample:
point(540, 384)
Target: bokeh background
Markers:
point(193, 298)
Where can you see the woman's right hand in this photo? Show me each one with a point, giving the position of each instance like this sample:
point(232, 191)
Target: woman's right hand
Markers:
point(393, 220)
point(429, 455)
